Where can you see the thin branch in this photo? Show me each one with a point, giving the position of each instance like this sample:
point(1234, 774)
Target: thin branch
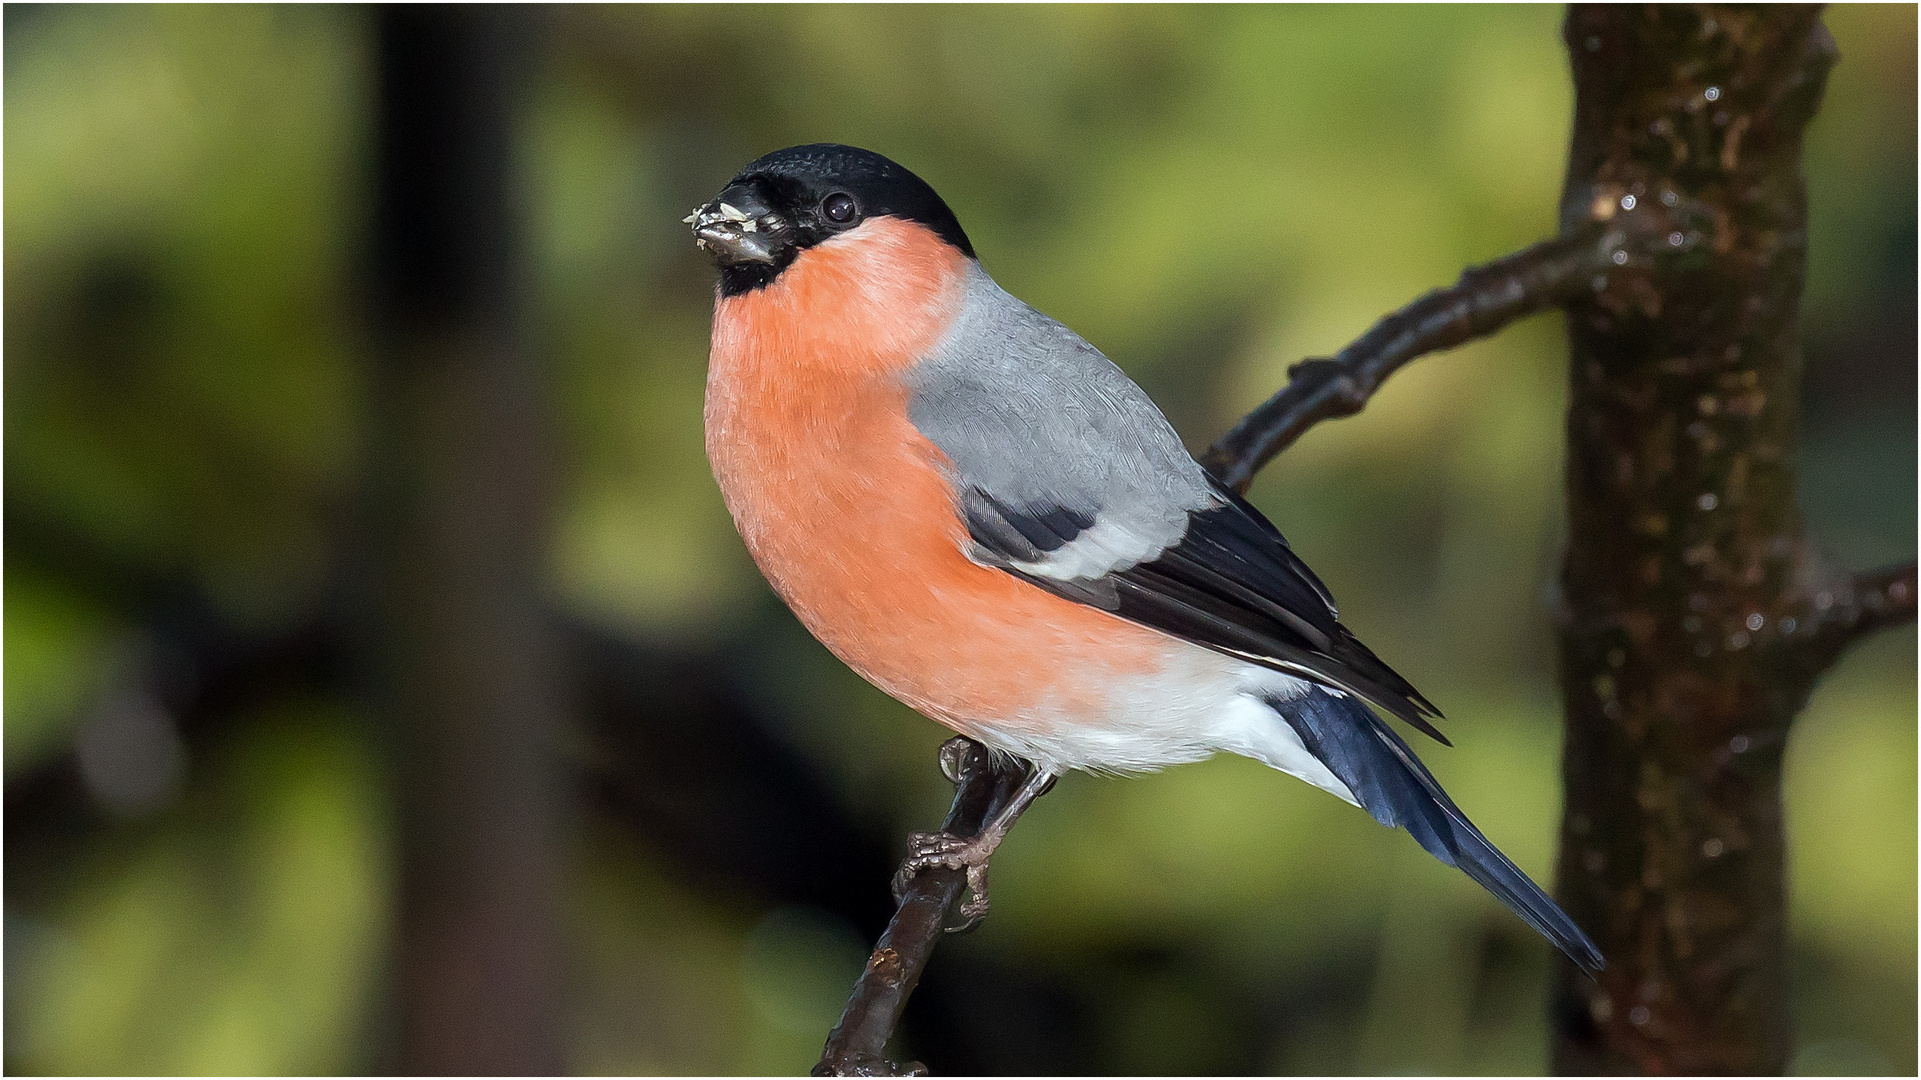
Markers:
point(857, 1045)
point(1486, 299)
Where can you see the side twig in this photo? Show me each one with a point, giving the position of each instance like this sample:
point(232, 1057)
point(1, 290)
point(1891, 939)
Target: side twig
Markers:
point(1886, 598)
point(857, 1045)
point(1834, 617)
point(1484, 300)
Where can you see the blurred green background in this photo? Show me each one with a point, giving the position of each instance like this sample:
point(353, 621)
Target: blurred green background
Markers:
point(1207, 194)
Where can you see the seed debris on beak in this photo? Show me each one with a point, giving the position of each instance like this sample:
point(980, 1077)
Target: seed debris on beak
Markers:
point(734, 234)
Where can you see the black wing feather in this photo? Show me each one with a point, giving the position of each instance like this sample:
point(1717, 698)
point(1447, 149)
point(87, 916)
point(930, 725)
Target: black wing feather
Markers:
point(1230, 584)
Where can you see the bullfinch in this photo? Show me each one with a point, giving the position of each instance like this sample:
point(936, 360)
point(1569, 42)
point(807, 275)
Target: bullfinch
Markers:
point(979, 513)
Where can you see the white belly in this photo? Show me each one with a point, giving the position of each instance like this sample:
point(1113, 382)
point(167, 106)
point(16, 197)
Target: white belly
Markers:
point(1200, 703)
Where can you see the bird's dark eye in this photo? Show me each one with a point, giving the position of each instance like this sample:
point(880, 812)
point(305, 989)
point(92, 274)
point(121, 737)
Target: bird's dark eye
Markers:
point(839, 208)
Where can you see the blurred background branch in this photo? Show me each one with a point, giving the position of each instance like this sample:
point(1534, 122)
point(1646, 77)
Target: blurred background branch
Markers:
point(459, 482)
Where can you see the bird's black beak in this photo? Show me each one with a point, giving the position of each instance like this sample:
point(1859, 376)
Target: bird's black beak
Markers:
point(739, 227)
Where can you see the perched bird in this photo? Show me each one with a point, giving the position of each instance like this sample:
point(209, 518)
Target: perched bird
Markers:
point(979, 513)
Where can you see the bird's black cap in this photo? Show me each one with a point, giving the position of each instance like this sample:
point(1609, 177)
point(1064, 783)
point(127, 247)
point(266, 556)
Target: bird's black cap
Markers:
point(790, 200)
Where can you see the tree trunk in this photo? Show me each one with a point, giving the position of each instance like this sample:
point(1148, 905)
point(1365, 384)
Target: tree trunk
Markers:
point(1692, 629)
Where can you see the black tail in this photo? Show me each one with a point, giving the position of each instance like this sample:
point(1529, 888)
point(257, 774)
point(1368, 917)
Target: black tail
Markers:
point(1393, 785)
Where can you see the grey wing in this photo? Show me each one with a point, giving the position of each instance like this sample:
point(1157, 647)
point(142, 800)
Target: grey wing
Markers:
point(1069, 476)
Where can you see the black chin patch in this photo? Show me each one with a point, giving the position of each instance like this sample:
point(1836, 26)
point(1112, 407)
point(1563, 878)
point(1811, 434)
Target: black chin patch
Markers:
point(744, 277)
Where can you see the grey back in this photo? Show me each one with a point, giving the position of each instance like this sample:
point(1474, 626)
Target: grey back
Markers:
point(1036, 420)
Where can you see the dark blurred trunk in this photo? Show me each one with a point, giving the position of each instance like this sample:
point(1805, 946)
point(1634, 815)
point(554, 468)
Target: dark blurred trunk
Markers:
point(460, 470)
point(1687, 579)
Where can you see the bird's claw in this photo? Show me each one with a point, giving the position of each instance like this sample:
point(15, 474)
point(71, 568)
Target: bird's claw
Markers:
point(974, 908)
point(939, 850)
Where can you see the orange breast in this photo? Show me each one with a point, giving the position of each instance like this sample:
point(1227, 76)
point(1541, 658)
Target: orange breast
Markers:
point(848, 511)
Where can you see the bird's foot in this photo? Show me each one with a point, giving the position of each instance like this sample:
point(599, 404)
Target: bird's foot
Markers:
point(939, 850)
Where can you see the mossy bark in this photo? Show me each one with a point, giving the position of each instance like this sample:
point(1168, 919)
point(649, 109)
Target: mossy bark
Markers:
point(1687, 581)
